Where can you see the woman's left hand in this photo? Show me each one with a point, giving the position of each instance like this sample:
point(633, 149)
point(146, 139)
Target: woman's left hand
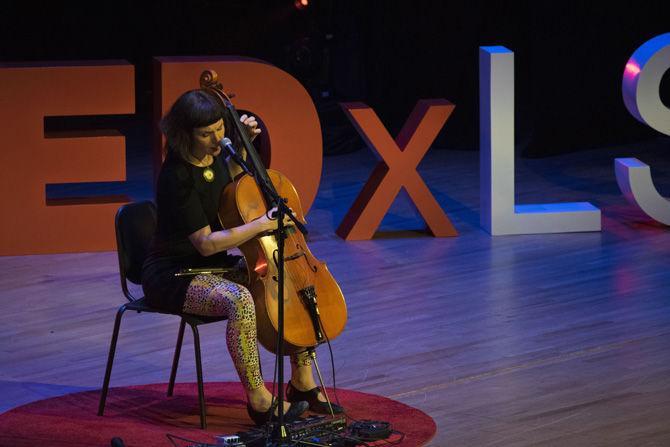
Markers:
point(251, 124)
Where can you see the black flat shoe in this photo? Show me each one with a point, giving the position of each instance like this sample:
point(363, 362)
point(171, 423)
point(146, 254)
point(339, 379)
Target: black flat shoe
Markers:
point(312, 398)
point(262, 417)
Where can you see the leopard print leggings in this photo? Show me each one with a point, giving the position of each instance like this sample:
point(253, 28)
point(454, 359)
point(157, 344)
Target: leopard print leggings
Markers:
point(213, 295)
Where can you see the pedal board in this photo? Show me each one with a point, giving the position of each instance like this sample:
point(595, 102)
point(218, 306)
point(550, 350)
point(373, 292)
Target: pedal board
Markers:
point(318, 430)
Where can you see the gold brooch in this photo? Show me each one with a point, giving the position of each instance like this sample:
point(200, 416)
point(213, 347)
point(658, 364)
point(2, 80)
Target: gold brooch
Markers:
point(208, 174)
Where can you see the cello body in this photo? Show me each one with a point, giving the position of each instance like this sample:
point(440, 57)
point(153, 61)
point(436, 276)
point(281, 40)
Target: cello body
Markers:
point(306, 278)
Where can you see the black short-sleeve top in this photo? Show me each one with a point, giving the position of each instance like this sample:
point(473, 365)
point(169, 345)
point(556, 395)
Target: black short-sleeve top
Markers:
point(186, 202)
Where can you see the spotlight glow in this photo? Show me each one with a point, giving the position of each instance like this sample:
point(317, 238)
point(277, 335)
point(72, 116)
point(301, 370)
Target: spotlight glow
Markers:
point(632, 69)
point(301, 4)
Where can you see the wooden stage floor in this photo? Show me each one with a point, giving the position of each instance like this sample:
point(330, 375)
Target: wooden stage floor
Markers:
point(539, 340)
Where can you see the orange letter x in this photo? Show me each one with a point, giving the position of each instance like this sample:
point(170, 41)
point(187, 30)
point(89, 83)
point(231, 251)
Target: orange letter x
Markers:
point(397, 168)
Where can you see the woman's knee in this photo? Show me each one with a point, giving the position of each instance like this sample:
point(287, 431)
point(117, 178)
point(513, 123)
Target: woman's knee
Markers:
point(246, 300)
point(239, 300)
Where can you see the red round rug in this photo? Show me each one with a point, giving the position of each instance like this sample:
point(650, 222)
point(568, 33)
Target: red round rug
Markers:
point(143, 415)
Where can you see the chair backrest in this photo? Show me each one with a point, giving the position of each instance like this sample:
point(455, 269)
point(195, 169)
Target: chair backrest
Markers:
point(135, 226)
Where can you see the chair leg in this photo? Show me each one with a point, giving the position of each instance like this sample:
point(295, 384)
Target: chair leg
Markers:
point(175, 359)
point(110, 359)
point(198, 369)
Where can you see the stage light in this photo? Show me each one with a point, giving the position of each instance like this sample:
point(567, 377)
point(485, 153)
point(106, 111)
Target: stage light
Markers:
point(301, 4)
point(632, 69)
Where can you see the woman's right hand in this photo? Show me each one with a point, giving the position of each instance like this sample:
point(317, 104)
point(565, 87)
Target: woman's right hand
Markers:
point(207, 242)
point(265, 223)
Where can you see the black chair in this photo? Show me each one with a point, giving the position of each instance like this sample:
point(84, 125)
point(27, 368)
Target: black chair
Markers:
point(135, 225)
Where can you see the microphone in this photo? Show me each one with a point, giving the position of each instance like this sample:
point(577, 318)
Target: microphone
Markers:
point(227, 145)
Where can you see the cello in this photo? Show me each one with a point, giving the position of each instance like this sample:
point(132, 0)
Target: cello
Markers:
point(314, 307)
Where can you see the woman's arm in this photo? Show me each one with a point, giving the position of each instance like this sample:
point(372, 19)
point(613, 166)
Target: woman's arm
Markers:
point(252, 130)
point(208, 243)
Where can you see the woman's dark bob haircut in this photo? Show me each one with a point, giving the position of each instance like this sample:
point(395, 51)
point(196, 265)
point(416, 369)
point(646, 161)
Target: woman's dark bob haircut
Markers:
point(193, 109)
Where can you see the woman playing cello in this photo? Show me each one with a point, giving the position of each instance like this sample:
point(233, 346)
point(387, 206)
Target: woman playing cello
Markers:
point(189, 234)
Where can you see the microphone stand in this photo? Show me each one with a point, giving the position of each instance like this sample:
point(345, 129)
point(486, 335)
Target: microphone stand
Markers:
point(280, 433)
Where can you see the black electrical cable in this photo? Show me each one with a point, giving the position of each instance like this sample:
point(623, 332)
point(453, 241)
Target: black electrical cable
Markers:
point(348, 416)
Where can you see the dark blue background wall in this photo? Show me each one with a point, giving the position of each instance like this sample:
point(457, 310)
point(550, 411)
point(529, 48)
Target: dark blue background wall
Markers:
point(569, 56)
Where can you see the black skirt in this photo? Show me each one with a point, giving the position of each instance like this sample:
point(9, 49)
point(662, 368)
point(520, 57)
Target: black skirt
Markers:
point(166, 291)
